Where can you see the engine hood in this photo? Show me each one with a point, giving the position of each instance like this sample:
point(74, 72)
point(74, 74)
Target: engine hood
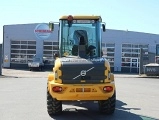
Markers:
point(75, 69)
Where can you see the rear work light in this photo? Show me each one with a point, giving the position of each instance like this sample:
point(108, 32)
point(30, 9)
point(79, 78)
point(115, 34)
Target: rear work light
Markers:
point(70, 18)
point(107, 88)
point(57, 89)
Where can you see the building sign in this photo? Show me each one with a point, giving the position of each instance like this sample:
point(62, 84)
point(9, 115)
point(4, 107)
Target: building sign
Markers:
point(42, 31)
point(6, 58)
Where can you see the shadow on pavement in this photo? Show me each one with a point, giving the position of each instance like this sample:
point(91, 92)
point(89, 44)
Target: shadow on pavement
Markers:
point(89, 111)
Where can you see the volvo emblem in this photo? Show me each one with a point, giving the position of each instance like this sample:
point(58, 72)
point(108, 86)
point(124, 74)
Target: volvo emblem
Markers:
point(83, 73)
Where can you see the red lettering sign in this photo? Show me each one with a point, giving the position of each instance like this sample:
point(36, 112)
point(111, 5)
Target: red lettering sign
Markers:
point(42, 31)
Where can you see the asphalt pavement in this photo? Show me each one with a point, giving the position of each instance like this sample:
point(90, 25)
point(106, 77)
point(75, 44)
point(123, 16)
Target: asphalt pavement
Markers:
point(23, 97)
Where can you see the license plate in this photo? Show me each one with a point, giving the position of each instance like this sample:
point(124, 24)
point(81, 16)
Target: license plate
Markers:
point(34, 65)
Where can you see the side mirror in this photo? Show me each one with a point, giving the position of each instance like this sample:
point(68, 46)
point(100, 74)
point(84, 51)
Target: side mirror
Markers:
point(103, 27)
point(56, 55)
point(51, 26)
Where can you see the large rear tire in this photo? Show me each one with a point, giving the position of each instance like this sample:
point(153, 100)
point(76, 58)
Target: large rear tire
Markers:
point(54, 106)
point(107, 106)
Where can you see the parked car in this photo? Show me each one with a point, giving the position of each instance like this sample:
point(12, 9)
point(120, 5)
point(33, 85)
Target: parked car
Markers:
point(37, 63)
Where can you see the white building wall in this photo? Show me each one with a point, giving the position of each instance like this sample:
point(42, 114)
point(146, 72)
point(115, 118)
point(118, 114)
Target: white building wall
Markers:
point(119, 37)
point(26, 32)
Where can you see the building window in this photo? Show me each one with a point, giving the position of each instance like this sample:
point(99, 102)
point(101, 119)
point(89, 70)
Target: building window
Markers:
point(49, 49)
point(32, 42)
point(55, 43)
point(24, 42)
point(126, 45)
point(108, 50)
point(22, 51)
point(15, 42)
point(15, 46)
point(47, 43)
point(131, 54)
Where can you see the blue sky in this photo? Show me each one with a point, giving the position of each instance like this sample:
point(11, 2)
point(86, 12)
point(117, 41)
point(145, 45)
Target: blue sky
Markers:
point(132, 15)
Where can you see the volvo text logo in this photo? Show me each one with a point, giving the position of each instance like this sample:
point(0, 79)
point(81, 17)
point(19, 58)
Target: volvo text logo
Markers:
point(83, 73)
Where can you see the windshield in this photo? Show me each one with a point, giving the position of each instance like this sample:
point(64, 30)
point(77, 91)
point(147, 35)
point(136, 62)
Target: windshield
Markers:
point(70, 36)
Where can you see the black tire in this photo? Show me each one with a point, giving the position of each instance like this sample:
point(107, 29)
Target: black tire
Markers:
point(54, 106)
point(107, 106)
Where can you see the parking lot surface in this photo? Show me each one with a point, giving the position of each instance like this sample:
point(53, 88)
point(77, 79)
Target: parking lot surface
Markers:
point(23, 97)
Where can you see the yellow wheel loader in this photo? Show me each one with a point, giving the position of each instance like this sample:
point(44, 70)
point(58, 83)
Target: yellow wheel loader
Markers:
point(80, 73)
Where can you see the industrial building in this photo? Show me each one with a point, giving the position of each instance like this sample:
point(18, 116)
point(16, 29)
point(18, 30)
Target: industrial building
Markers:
point(122, 48)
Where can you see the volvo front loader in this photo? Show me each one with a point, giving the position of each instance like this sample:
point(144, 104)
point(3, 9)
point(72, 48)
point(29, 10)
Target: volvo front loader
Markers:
point(80, 73)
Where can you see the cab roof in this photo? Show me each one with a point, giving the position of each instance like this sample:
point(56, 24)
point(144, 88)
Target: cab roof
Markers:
point(82, 17)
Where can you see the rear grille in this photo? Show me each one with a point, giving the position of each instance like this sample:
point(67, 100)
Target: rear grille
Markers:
point(91, 73)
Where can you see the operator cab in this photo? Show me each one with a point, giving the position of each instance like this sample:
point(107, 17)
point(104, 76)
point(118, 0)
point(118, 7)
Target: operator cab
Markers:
point(80, 36)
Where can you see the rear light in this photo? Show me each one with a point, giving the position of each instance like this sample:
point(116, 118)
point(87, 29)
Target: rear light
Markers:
point(57, 89)
point(107, 88)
